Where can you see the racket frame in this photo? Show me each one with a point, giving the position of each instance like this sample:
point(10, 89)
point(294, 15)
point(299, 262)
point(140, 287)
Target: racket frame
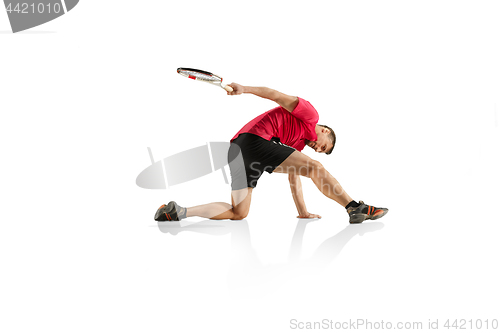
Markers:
point(216, 81)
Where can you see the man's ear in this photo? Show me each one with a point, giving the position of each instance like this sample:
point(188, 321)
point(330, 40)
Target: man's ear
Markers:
point(325, 130)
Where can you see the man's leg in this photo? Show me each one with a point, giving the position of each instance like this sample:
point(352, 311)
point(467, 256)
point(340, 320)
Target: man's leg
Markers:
point(300, 164)
point(220, 210)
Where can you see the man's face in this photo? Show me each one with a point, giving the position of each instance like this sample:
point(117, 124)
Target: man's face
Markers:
point(322, 144)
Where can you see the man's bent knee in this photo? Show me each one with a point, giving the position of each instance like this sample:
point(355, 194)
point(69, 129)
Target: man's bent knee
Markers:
point(239, 214)
point(238, 217)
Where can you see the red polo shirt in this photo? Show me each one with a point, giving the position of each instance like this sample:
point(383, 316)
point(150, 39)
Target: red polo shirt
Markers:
point(292, 128)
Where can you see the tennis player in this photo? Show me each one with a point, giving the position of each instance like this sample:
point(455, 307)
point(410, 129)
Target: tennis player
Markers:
point(273, 142)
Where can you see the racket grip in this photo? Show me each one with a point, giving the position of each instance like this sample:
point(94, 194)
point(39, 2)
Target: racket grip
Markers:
point(227, 88)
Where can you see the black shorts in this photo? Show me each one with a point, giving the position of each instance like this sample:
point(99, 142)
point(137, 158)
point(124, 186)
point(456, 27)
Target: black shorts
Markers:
point(250, 155)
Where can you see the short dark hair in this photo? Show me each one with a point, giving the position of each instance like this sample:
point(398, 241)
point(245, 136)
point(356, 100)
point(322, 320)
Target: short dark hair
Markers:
point(332, 137)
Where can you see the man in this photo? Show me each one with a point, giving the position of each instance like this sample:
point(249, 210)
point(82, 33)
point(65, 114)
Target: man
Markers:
point(272, 142)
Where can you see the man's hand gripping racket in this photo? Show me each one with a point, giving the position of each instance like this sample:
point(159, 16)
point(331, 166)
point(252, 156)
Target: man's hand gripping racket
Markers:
point(204, 76)
point(238, 89)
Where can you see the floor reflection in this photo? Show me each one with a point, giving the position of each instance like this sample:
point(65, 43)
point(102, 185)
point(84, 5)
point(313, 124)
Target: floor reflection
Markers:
point(248, 275)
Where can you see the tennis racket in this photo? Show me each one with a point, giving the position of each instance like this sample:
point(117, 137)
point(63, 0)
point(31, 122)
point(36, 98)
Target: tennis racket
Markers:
point(203, 76)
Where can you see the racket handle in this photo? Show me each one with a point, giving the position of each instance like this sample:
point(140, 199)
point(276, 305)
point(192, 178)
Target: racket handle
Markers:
point(227, 88)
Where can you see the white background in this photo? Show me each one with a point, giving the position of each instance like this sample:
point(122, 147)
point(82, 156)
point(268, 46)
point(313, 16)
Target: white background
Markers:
point(411, 89)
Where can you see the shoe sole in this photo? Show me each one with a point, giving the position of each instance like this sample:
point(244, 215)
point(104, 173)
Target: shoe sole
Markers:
point(359, 218)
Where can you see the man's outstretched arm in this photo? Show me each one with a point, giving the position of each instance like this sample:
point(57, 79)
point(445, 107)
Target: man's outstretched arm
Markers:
point(298, 198)
point(286, 101)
